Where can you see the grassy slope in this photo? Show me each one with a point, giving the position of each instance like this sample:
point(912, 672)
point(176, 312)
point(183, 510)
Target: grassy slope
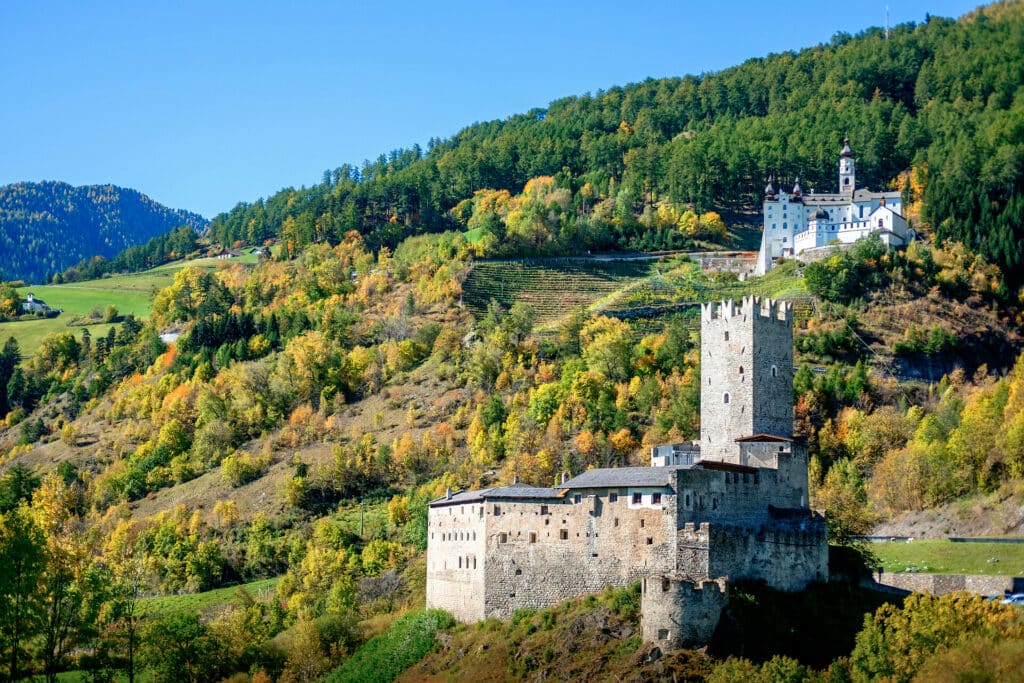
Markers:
point(203, 603)
point(131, 293)
point(943, 557)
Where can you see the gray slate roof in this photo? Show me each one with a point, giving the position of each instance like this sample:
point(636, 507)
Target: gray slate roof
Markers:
point(624, 476)
point(499, 492)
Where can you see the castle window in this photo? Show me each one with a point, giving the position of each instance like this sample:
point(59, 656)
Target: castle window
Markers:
point(725, 397)
point(637, 498)
point(650, 541)
point(615, 522)
point(497, 509)
point(714, 503)
point(578, 498)
point(643, 523)
point(784, 226)
point(726, 477)
point(563, 534)
point(687, 500)
point(533, 537)
point(665, 584)
point(727, 335)
point(474, 535)
point(474, 562)
point(773, 226)
point(662, 634)
point(460, 562)
point(741, 369)
point(775, 371)
point(547, 522)
point(502, 538)
point(543, 509)
point(519, 572)
point(656, 498)
point(613, 497)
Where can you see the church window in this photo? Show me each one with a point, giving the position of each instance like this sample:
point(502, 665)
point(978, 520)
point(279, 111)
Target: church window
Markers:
point(725, 398)
point(846, 181)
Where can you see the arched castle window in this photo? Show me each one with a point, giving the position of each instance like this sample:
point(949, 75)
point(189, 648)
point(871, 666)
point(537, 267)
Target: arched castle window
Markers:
point(741, 369)
point(775, 371)
point(725, 397)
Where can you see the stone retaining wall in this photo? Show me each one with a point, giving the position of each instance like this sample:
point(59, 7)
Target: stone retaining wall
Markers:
point(940, 584)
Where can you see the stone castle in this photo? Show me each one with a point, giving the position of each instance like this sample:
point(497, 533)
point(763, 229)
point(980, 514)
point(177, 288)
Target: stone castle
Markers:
point(795, 222)
point(731, 506)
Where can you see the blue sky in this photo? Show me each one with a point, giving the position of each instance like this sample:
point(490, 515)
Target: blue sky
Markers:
point(201, 105)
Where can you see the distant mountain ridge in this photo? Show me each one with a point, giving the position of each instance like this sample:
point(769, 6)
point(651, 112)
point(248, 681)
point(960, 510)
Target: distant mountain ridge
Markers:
point(48, 226)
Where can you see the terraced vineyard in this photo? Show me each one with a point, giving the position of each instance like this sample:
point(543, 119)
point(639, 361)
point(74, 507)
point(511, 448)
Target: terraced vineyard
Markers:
point(635, 290)
point(553, 287)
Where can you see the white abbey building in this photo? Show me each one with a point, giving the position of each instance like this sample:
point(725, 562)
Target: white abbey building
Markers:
point(795, 222)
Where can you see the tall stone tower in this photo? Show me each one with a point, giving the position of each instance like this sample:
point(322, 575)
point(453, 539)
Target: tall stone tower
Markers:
point(746, 374)
point(847, 176)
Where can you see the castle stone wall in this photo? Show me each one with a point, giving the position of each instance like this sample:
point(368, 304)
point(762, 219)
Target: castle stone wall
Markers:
point(785, 556)
point(537, 560)
point(456, 550)
point(741, 498)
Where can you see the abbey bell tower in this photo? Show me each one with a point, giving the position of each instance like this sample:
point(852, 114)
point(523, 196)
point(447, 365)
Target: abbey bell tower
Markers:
point(847, 176)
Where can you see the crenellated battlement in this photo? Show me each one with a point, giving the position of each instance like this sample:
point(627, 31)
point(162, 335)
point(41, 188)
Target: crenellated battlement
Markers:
point(750, 306)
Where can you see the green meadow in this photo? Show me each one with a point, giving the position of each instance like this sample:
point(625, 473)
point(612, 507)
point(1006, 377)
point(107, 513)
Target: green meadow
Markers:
point(132, 293)
point(944, 557)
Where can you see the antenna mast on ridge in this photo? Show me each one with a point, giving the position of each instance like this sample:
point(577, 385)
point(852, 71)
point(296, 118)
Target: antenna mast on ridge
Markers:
point(887, 22)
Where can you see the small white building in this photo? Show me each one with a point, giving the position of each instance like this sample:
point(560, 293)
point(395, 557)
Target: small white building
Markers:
point(795, 222)
point(34, 305)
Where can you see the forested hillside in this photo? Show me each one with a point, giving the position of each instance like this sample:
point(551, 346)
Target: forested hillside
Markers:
point(626, 167)
point(48, 227)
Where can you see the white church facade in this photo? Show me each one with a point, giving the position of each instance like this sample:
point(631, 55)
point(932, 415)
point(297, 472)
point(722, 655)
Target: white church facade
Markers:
point(795, 222)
